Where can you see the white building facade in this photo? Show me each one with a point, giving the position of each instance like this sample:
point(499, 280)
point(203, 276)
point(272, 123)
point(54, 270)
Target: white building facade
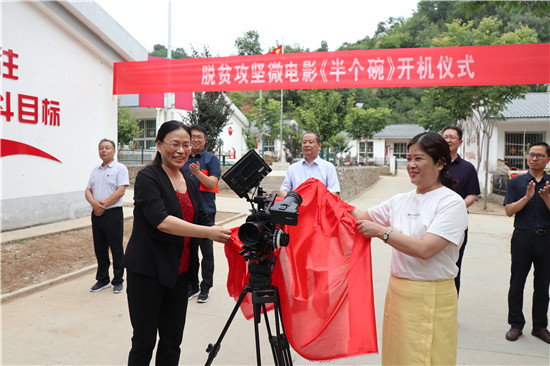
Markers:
point(231, 141)
point(56, 103)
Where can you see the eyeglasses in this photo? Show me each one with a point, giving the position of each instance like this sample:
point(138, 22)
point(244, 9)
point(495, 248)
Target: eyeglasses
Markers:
point(538, 156)
point(175, 146)
point(449, 137)
point(197, 138)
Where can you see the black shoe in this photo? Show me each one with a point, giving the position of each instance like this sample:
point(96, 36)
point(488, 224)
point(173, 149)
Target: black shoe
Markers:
point(100, 286)
point(118, 288)
point(513, 334)
point(542, 333)
point(203, 296)
point(193, 291)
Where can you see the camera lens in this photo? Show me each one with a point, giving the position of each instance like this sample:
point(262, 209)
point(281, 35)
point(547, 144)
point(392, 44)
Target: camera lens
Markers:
point(250, 233)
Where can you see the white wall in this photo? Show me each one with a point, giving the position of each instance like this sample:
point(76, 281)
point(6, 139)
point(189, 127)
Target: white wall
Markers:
point(473, 150)
point(53, 64)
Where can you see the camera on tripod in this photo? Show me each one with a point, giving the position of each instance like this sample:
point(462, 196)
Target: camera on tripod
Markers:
point(262, 232)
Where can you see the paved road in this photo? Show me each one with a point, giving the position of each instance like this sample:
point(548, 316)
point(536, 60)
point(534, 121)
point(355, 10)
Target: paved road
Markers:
point(65, 324)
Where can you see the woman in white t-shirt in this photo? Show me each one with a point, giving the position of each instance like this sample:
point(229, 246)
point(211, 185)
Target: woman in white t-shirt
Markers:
point(425, 227)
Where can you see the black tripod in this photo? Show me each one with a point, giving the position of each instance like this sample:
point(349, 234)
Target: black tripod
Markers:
point(262, 293)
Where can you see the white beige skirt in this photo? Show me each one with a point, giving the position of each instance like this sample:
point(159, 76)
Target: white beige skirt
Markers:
point(420, 323)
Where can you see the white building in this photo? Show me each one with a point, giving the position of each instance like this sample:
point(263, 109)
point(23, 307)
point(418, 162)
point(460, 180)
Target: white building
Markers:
point(232, 137)
point(526, 121)
point(57, 104)
point(390, 142)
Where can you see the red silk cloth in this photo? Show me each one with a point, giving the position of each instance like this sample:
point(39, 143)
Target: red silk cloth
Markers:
point(380, 68)
point(324, 277)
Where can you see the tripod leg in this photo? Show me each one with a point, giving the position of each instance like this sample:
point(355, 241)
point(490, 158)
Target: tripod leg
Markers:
point(280, 347)
point(212, 350)
point(284, 346)
point(257, 318)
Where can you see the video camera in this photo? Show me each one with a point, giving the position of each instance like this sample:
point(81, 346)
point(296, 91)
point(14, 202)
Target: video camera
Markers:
point(262, 232)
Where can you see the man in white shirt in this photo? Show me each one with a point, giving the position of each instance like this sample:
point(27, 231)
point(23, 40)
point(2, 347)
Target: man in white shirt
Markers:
point(310, 166)
point(104, 192)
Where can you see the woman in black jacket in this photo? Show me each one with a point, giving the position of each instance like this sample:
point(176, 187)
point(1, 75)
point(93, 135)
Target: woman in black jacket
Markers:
point(168, 213)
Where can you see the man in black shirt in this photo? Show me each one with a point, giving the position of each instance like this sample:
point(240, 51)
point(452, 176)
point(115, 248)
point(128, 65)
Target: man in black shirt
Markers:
point(468, 183)
point(528, 198)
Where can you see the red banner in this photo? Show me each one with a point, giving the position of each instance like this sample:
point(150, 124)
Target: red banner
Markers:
point(404, 67)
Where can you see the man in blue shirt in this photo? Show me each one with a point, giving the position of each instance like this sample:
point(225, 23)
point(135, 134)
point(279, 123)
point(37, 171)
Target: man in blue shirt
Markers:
point(310, 166)
point(528, 198)
point(204, 169)
point(468, 183)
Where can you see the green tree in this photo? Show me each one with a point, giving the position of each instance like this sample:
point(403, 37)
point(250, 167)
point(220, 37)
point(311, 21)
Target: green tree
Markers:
point(322, 111)
point(211, 110)
point(484, 104)
point(292, 134)
point(267, 115)
point(128, 126)
point(323, 48)
point(250, 139)
point(364, 123)
point(249, 44)
point(295, 48)
point(540, 8)
point(339, 144)
point(161, 51)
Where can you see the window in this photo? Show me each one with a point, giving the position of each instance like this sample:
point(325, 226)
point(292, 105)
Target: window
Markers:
point(149, 134)
point(516, 146)
point(400, 150)
point(370, 149)
point(269, 145)
point(366, 147)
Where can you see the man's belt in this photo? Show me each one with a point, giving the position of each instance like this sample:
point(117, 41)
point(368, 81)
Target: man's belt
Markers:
point(539, 232)
point(113, 208)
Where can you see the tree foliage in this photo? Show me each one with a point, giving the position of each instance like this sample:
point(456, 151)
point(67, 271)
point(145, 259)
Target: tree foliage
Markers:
point(161, 51)
point(364, 123)
point(128, 126)
point(326, 111)
point(249, 44)
point(292, 136)
point(339, 143)
point(484, 104)
point(211, 110)
point(322, 111)
point(267, 115)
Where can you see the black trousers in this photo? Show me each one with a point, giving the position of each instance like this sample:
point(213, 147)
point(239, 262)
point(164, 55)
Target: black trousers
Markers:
point(459, 261)
point(528, 248)
point(107, 231)
point(154, 307)
point(207, 263)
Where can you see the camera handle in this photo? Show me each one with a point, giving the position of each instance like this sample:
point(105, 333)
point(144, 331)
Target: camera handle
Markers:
point(279, 343)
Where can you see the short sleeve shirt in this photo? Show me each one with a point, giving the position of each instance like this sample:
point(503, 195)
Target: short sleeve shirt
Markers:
point(466, 175)
point(441, 212)
point(211, 164)
point(301, 171)
point(104, 181)
point(535, 214)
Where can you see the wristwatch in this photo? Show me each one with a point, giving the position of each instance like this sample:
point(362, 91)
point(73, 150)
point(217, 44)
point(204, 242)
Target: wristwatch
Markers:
point(386, 235)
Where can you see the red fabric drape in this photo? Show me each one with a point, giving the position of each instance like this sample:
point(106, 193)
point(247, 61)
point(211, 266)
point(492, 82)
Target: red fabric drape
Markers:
point(324, 278)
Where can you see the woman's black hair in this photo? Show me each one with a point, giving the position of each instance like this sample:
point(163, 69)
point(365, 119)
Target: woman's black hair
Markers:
point(436, 146)
point(164, 130)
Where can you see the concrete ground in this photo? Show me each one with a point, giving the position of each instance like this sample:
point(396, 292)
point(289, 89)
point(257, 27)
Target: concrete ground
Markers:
point(62, 323)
